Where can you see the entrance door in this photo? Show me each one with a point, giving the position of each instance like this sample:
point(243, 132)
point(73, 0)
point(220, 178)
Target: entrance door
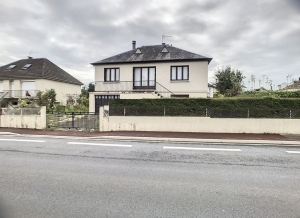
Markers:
point(144, 78)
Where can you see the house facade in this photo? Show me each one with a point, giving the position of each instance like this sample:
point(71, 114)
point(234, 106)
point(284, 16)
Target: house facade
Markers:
point(26, 77)
point(150, 72)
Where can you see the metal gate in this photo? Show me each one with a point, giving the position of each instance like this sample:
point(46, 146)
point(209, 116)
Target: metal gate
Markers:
point(73, 120)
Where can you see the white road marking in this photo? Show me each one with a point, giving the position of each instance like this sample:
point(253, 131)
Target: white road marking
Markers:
point(21, 140)
point(202, 149)
point(293, 152)
point(108, 145)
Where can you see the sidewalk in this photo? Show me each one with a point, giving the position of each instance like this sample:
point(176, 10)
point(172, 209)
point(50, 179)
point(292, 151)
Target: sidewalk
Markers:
point(164, 136)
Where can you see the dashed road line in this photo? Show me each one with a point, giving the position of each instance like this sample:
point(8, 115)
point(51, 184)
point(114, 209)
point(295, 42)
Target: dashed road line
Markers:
point(99, 144)
point(21, 140)
point(201, 149)
point(293, 152)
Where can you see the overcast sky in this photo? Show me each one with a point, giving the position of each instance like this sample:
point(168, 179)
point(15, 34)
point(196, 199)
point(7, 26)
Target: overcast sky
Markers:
point(259, 37)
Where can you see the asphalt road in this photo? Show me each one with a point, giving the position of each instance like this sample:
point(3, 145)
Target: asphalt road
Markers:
point(46, 177)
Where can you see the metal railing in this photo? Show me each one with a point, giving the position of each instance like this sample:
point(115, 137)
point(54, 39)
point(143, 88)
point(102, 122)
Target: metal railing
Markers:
point(21, 111)
point(133, 86)
point(20, 93)
point(2, 95)
point(204, 112)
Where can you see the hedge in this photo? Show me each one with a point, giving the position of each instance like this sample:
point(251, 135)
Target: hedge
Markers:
point(223, 103)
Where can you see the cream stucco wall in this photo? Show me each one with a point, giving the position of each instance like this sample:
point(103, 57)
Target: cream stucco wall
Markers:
point(25, 121)
point(61, 89)
point(196, 86)
point(199, 124)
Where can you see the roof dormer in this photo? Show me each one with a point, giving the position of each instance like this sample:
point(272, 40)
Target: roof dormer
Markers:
point(165, 50)
point(138, 51)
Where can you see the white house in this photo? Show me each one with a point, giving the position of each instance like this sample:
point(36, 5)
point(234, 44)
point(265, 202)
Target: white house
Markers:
point(153, 71)
point(25, 78)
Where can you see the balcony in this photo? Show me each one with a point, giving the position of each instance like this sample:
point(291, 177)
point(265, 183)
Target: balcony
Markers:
point(19, 93)
point(133, 86)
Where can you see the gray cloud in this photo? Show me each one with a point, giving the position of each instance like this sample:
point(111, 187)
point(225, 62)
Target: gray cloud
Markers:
point(260, 37)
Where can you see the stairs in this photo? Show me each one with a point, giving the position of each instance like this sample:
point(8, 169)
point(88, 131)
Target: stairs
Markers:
point(2, 96)
point(156, 93)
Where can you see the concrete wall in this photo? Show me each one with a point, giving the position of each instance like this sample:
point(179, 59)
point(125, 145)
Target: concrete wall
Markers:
point(199, 124)
point(196, 86)
point(61, 89)
point(25, 121)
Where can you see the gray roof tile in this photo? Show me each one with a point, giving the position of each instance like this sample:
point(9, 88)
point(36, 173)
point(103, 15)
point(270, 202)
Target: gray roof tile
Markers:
point(153, 53)
point(41, 68)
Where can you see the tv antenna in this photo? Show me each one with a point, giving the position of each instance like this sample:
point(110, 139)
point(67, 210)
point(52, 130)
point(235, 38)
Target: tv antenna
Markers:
point(163, 37)
point(31, 52)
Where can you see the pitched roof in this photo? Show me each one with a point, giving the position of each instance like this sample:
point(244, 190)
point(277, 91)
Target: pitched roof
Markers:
point(41, 68)
point(153, 53)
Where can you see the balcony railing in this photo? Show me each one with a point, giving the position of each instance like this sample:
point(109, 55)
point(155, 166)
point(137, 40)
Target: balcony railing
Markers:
point(20, 93)
point(133, 86)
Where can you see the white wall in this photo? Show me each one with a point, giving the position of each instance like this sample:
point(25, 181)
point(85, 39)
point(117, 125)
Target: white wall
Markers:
point(200, 124)
point(61, 89)
point(25, 121)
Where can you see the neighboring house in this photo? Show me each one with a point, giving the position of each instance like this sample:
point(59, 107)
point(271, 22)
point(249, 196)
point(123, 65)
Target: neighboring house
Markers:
point(211, 90)
point(26, 77)
point(293, 86)
point(150, 72)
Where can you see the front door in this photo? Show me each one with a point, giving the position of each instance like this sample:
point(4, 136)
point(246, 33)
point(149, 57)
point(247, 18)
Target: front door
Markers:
point(144, 78)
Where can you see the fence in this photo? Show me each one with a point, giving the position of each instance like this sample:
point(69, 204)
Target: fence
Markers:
point(74, 120)
point(21, 111)
point(204, 112)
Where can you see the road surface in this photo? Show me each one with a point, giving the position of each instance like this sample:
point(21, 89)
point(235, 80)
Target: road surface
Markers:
point(48, 177)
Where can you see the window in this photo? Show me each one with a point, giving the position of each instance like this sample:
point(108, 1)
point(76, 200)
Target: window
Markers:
point(180, 96)
point(11, 67)
point(144, 77)
point(111, 74)
point(26, 66)
point(179, 73)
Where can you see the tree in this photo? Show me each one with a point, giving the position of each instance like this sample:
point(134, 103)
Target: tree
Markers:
point(229, 82)
point(46, 98)
point(84, 96)
point(86, 89)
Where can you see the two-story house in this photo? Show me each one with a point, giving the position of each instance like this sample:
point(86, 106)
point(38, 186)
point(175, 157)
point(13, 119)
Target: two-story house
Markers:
point(25, 78)
point(153, 71)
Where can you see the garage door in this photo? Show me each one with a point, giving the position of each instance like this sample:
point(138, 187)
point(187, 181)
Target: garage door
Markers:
point(101, 100)
point(28, 89)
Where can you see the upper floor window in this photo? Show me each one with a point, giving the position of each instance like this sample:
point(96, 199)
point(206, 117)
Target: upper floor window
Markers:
point(111, 74)
point(180, 73)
